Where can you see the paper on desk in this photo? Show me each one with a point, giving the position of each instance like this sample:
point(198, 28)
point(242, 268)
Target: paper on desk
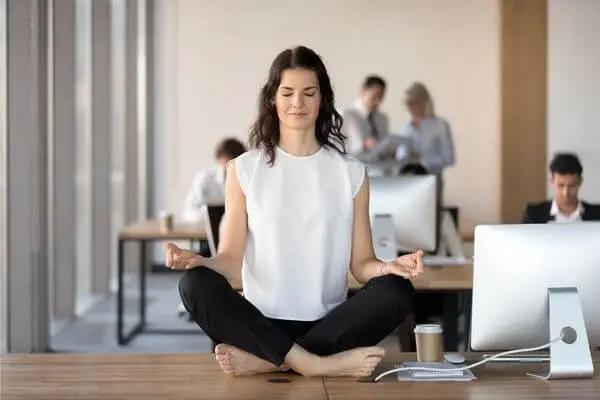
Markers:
point(408, 375)
point(444, 260)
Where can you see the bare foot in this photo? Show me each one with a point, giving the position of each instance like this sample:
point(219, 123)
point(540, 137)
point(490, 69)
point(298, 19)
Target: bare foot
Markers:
point(359, 362)
point(238, 362)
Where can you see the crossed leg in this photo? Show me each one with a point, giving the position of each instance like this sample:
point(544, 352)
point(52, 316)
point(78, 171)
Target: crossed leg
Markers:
point(341, 344)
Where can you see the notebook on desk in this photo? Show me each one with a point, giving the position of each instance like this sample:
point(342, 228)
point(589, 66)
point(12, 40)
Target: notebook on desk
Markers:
point(450, 375)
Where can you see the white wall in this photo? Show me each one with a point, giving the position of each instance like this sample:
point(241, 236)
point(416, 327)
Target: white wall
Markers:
point(212, 57)
point(574, 85)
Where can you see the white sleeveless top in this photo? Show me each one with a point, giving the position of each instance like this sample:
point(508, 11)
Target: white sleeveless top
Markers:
point(300, 214)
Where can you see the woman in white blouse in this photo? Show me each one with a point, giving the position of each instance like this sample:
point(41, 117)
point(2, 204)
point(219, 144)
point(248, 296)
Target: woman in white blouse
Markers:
point(296, 222)
point(430, 136)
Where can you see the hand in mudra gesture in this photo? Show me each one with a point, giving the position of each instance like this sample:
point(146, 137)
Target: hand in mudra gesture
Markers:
point(177, 258)
point(407, 266)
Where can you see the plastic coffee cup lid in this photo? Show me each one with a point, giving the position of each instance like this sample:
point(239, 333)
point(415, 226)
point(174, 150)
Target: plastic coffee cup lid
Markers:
point(428, 328)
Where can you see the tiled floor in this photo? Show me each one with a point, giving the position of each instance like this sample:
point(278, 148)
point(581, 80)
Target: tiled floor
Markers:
point(96, 331)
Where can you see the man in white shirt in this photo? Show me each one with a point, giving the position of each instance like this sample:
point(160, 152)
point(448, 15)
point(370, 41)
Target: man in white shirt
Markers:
point(364, 124)
point(566, 178)
point(208, 186)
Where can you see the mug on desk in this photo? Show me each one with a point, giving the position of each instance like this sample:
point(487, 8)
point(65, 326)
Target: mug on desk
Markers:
point(166, 222)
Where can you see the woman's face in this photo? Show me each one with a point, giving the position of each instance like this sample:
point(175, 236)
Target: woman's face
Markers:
point(416, 107)
point(298, 99)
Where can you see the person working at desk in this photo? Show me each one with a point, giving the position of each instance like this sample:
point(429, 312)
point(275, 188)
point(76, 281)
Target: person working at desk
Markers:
point(208, 186)
point(296, 190)
point(566, 177)
point(430, 136)
point(364, 123)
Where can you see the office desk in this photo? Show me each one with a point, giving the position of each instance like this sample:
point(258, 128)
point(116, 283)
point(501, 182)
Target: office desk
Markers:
point(187, 376)
point(443, 277)
point(144, 232)
point(494, 381)
point(140, 377)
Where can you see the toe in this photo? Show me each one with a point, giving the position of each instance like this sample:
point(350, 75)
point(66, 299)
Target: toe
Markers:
point(362, 374)
point(367, 371)
point(221, 349)
point(373, 361)
point(226, 367)
point(376, 351)
point(222, 357)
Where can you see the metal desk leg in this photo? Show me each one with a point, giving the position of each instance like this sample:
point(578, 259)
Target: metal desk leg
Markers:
point(143, 279)
point(467, 302)
point(120, 290)
point(406, 336)
point(123, 338)
point(451, 336)
point(143, 269)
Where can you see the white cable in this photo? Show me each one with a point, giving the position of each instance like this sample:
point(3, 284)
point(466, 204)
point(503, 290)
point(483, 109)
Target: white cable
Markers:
point(506, 353)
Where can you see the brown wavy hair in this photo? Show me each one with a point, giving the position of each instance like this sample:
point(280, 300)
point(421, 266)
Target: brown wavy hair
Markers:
point(264, 133)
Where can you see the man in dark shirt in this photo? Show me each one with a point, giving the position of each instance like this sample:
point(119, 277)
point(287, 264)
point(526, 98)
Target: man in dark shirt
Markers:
point(566, 179)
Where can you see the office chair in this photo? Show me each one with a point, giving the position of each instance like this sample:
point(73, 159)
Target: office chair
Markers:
point(213, 214)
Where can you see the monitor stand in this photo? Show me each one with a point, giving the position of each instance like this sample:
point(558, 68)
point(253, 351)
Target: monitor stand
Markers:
point(384, 237)
point(570, 357)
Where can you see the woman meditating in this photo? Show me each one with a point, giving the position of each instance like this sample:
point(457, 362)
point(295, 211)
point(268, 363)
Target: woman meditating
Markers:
point(296, 219)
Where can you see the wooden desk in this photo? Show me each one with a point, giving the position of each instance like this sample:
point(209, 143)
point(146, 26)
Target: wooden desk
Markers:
point(150, 230)
point(444, 277)
point(143, 377)
point(144, 232)
point(494, 381)
point(185, 376)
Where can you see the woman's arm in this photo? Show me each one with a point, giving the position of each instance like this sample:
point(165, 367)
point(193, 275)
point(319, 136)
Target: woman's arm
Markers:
point(234, 228)
point(363, 263)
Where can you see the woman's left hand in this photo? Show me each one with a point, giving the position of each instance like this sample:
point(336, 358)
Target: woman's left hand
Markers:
point(407, 266)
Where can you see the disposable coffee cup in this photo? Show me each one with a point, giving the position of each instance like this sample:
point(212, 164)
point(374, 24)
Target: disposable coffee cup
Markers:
point(430, 346)
point(166, 222)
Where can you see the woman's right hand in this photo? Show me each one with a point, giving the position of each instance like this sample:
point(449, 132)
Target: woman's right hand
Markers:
point(176, 258)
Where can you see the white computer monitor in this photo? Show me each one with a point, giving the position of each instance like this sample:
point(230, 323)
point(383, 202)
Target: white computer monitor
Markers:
point(409, 203)
point(533, 283)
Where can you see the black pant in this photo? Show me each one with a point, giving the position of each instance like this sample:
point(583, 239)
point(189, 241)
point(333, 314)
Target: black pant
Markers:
point(227, 317)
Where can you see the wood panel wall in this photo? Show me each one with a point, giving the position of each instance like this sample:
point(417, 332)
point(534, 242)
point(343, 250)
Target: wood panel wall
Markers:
point(523, 25)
